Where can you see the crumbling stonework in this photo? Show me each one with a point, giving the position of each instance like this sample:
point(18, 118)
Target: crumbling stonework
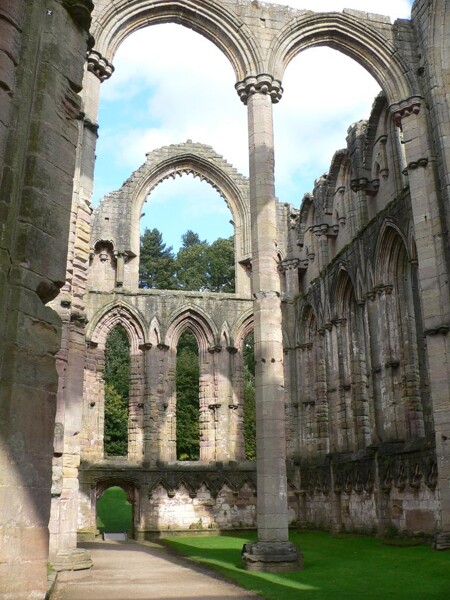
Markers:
point(347, 294)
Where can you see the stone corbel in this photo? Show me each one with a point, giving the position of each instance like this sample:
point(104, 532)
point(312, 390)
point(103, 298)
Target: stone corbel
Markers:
point(232, 349)
point(259, 84)
point(145, 346)
point(364, 184)
point(213, 349)
point(412, 166)
point(288, 264)
point(99, 65)
point(405, 108)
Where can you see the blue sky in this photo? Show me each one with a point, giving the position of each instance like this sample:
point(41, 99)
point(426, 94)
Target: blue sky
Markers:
point(171, 85)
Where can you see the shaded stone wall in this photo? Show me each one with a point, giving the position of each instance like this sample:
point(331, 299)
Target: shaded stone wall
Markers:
point(40, 76)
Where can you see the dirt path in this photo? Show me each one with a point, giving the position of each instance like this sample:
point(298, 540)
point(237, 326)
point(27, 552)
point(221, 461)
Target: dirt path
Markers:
point(131, 571)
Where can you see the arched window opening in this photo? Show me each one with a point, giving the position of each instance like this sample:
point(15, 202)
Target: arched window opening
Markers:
point(187, 390)
point(322, 126)
point(117, 391)
point(114, 512)
point(249, 398)
point(175, 257)
point(162, 85)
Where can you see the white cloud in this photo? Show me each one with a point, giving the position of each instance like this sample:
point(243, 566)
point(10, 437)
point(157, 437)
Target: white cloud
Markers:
point(171, 85)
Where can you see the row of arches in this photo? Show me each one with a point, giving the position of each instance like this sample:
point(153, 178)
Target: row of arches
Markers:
point(232, 29)
point(360, 372)
point(184, 399)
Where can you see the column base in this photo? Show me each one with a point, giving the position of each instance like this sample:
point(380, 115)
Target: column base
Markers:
point(72, 560)
point(272, 557)
point(441, 540)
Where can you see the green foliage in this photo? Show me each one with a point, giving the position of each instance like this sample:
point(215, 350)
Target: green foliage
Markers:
point(344, 568)
point(220, 266)
point(117, 386)
point(187, 386)
point(114, 512)
point(157, 262)
point(198, 266)
point(191, 266)
point(249, 399)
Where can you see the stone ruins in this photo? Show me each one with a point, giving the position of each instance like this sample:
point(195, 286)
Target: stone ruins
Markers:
point(347, 295)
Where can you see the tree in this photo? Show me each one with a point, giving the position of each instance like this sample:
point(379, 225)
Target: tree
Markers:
point(116, 423)
point(187, 386)
point(249, 398)
point(157, 263)
point(117, 388)
point(220, 272)
point(191, 264)
point(190, 238)
point(204, 267)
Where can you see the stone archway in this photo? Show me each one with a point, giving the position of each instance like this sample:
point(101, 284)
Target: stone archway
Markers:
point(113, 23)
point(130, 493)
point(368, 42)
point(117, 314)
point(168, 162)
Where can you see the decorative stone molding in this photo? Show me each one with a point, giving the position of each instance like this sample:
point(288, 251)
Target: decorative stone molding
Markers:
point(403, 109)
point(412, 166)
point(99, 65)
point(288, 264)
point(261, 84)
point(441, 330)
point(364, 184)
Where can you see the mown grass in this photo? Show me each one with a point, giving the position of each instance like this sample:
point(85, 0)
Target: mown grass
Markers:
point(114, 512)
point(335, 568)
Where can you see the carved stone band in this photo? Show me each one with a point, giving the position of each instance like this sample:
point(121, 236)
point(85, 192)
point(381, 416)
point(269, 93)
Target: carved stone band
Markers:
point(259, 84)
point(99, 65)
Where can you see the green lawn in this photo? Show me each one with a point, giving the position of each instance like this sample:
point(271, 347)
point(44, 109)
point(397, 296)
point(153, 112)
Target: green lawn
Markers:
point(114, 512)
point(336, 568)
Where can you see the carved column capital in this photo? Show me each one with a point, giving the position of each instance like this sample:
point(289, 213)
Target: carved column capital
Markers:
point(288, 264)
point(259, 84)
point(405, 108)
point(99, 65)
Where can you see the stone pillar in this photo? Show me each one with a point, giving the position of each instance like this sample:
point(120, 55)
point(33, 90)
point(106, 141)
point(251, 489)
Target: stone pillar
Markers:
point(432, 251)
point(273, 551)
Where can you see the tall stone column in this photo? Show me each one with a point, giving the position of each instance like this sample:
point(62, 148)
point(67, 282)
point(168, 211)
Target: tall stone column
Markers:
point(432, 252)
point(273, 551)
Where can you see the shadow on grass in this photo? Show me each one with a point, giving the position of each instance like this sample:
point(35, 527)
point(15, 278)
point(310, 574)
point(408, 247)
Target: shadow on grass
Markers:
point(345, 568)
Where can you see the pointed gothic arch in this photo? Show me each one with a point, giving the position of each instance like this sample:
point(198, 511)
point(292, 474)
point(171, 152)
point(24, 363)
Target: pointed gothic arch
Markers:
point(354, 36)
point(115, 22)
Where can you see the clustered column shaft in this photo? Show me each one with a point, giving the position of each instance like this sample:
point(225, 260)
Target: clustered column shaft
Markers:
point(273, 551)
